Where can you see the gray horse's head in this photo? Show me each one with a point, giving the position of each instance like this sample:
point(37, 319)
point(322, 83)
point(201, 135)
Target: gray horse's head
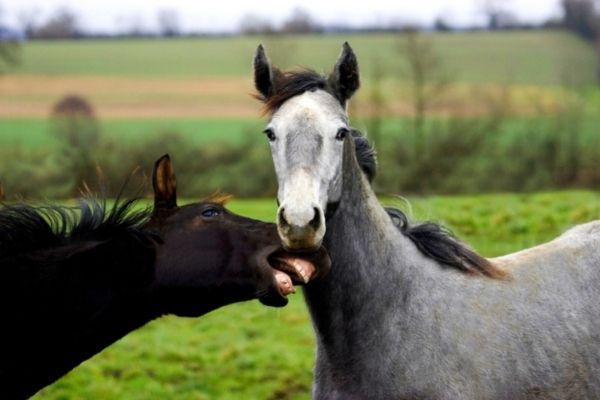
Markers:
point(306, 132)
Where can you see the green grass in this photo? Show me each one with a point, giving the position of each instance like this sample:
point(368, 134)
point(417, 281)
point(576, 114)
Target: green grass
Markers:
point(248, 351)
point(540, 57)
point(35, 133)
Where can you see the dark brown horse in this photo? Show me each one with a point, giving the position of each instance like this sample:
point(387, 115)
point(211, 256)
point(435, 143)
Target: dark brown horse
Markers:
point(73, 281)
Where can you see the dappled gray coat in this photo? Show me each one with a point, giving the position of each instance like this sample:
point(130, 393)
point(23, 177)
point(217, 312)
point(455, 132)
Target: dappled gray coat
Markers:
point(392, 323)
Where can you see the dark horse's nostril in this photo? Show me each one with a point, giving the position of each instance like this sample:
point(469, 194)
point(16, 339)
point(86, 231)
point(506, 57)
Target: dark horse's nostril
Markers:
point(316, 221)
point(281, 216)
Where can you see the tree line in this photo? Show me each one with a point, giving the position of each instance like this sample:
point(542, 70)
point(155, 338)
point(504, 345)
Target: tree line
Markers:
point(580, 16)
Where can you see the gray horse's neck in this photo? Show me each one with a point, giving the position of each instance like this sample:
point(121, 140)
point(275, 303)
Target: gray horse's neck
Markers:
point(392, 324)
point(364, 244)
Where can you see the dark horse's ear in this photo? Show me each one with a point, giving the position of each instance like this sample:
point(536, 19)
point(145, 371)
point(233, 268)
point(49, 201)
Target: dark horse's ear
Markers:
point(263, 73)
point(2, 196)
point(344, 79)
point(164, 183)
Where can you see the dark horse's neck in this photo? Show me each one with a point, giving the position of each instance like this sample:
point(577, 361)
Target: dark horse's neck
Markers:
point(53, 347)
point(62, 306)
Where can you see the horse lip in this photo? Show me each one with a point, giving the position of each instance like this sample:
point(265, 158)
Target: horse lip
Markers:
point(273, 297)
point(301, 250)
point(319, 258)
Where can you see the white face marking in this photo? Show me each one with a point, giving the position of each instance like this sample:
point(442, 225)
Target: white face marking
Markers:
point(307, 154)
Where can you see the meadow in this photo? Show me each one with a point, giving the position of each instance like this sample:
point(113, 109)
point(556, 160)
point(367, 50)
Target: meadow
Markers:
point(199, 77)
point(535, 57)
point(249, 351)
point(145, 93)
point(537, 85)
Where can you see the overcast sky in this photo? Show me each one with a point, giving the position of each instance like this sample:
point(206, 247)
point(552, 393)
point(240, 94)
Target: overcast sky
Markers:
point(224, 15)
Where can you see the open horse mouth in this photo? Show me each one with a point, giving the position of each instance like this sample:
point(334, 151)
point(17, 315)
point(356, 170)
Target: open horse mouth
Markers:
point(292, 268)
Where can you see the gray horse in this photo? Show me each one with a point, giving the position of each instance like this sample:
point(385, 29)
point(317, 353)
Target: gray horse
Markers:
point(409, 312)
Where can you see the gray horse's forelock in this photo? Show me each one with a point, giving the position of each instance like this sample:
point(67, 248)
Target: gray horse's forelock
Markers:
point(288, 84)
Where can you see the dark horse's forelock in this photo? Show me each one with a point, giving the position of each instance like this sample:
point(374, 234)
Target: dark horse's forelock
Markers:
point(27, 228)
point(288, 84)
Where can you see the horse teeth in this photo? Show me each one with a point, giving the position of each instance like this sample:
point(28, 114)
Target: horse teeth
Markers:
point(304, 275)
point(303, 269)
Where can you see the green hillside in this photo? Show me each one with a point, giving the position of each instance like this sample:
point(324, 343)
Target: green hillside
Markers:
point(532, 57)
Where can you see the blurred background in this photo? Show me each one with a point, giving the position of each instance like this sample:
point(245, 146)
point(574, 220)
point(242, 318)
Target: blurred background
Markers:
point(486, 114)
point(452, 93)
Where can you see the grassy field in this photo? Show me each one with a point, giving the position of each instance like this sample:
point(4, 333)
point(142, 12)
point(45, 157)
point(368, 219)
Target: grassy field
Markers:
point(33, 133)
point(247, 351)
point(521, 57)
point(200, 88)
point(36, 133)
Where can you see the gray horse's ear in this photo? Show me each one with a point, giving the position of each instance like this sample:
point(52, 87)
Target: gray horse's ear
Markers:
point(345, 78)
point(263, 73)
point(164, 183)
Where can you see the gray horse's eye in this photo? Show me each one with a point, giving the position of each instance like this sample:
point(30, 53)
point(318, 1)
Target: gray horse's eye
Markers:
point(270, 134)
point(342, 133)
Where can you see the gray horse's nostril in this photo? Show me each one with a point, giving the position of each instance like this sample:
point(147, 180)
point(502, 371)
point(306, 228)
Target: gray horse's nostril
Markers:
point(316, 221)
point(281, 217)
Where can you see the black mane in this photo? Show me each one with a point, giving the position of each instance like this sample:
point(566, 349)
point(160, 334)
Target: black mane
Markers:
point(437, 242)
point(59, 231)
point(432, 239)
point(365, 154)
point(67, 276)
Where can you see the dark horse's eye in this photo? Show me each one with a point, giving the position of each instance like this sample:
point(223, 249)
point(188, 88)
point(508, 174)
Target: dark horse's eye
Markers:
point(341, 133)
point(210, 212)
point(270, 134)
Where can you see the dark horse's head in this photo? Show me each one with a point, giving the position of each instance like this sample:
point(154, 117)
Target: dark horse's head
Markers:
point(74, 280)
point(209, 257)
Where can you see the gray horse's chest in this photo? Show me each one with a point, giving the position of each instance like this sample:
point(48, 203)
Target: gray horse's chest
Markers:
point(515, 340)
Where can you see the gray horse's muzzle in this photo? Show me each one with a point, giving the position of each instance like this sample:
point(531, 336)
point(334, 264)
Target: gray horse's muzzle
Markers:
point(301, 234)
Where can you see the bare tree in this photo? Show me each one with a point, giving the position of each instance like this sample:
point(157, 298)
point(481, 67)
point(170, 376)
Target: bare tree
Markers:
point(62, 25)
point(168, 23)
point(378, 103)
point(427, 75)
point(132, 25)
point(498, 17)
point(29, 20)
point(281, 48)
point(75, 126)
point(252, 24)
point(300, 21)
point(441, 24)
point(582, 17)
